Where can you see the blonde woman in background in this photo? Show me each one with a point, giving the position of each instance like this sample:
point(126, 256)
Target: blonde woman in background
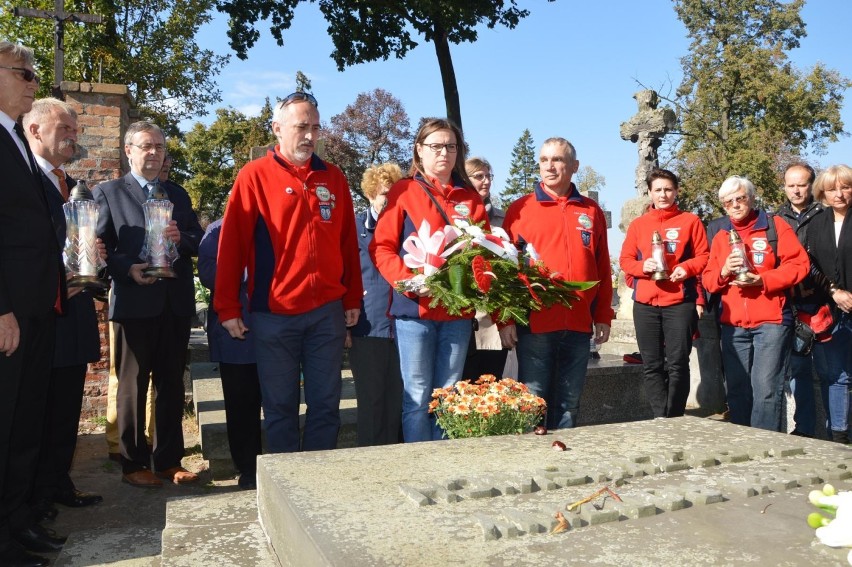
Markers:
point(373, 356)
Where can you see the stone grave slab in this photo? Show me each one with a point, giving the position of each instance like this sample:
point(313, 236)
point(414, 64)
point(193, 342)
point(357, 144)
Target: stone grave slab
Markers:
point(693, 491)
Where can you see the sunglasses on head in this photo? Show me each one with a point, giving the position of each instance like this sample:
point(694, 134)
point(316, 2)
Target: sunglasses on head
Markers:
point(297, 97)
point(28, 74)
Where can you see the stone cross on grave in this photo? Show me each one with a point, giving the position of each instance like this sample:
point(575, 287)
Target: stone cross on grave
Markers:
point(647, 128)
point(59, 16)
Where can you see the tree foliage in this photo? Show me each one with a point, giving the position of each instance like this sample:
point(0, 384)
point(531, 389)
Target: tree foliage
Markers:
point(370, 30)
point(523, 171)
point(587, 179)
point(208, 158)
point(148, 45)
point(303, 83)
point(374, 129)
point(743, 108)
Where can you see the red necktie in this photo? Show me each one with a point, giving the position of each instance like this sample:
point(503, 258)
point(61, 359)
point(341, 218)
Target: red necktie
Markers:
point(63, 186)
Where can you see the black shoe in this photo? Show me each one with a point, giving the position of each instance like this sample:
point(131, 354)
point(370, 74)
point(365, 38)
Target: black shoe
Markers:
point(798, 433)
point(77, 499)
point(841, 437)
point(38, 538)
point(44, 510)
point(247, 482)
point(17, 556)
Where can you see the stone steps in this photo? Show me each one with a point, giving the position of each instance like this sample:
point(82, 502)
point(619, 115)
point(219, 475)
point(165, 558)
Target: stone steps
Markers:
point(223, 528)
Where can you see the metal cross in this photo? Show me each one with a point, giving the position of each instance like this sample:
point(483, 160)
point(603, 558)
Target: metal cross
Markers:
point(59, 16)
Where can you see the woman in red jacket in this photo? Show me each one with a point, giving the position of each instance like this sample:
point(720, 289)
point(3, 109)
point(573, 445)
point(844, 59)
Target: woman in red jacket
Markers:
point(754, 259)
point(665, 296)
point(432, 344)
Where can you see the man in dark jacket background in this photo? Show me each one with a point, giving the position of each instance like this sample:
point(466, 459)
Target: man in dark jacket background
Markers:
point(798, 211)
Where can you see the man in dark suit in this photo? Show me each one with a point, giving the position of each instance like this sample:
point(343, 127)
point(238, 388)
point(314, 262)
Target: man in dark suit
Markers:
point(30, 291)
point(151, 315)
point(51, 129)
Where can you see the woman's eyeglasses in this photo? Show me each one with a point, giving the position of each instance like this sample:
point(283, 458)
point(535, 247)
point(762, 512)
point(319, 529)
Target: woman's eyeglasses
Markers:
point(482, 176)
point(735, 201)
point(436, 148)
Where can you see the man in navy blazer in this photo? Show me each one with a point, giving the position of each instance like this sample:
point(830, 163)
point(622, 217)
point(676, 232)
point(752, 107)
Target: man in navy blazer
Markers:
point(31, 289)
point(151, 315)
point(51, 129)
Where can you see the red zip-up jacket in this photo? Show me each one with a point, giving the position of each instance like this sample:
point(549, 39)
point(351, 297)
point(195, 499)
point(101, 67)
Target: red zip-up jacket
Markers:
point(685, 245)
point(294, 229)
point(408, 206)
point(750, 307)
point(569, 234)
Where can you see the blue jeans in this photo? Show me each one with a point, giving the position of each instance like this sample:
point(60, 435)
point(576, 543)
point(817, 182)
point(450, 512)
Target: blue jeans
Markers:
point(289, 345)
point(802, 387)
point(431, 355)
point(756, 362)
point(837, 377)
point(553, 365)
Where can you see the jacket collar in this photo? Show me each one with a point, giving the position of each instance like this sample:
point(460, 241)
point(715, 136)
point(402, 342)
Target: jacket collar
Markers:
point(543, 196)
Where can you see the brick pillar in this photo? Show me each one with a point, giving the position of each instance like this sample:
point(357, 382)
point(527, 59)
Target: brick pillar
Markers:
point(104, 112)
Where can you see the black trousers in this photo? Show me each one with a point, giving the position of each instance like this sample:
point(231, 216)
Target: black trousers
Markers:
point(378, 390)
point(664, 336)
point(62, 420)
point(24, 377)
point(479, 362)
point(154, 347)
point(241, 389)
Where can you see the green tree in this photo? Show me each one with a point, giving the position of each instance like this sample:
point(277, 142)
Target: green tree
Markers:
point(523, 171)
point(208, 158)
point(369, 30)
point(587, 179)
point(743, 108)
point(148, 45)
point(303, 83)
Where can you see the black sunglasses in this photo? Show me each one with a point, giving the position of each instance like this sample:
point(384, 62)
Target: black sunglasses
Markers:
point(28, 74)
point(295, 97)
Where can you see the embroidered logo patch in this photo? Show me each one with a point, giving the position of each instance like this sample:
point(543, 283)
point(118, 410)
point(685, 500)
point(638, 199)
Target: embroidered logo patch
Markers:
point(759, 244)
point(586, 236)
point(462, 209)
point(671, 247)
point(672, 234)
point(323, 194)
point(585, 221)
point(289, 190)
point(325, 212)
point(758, 258)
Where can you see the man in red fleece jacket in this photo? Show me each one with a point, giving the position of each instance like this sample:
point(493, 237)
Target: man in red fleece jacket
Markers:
point(290, 223)
point(569, 233)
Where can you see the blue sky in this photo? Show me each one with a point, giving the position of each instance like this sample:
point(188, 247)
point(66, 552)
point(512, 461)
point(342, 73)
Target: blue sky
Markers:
point(569, 69)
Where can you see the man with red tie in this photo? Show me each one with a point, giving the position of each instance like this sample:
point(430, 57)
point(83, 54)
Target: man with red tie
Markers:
point(51, 129)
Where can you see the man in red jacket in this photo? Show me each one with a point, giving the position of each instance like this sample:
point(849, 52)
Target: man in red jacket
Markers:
point(568, 231)
point(290, 222)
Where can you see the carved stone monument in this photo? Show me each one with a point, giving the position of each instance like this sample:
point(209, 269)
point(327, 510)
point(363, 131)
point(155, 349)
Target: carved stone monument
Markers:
point(682, 491)
point(646, 129)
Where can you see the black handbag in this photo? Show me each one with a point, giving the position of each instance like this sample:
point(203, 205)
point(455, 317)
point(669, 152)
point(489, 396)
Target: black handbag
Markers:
point(803, 338)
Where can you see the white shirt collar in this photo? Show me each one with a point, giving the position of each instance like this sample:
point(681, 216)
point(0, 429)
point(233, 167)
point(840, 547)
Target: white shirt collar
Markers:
point(48, 168)
point(142, 181)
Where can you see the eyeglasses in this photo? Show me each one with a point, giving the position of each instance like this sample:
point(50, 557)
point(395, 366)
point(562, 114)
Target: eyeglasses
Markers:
point(436, 148)
point(482, 176)
point(735, 201)
point(295, 97)
point(27, 74)
point(148, 147)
